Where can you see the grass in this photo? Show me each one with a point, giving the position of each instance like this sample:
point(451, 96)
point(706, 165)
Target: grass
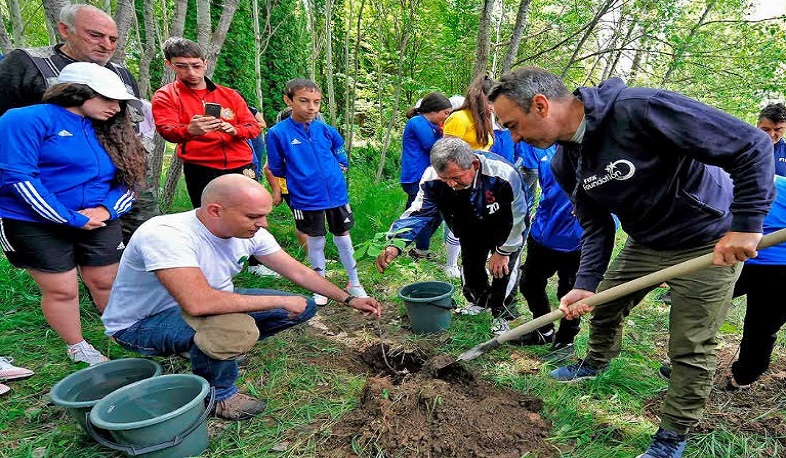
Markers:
point(604, 418)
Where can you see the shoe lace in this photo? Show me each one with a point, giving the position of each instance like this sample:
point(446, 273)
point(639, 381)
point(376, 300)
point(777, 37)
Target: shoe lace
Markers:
point(5, 363)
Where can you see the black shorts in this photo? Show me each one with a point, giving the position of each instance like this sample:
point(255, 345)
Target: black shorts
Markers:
point(59, 248)
point(312, 222)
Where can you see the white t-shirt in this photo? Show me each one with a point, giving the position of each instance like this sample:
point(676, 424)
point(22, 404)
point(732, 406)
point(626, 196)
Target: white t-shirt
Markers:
point(171, 241)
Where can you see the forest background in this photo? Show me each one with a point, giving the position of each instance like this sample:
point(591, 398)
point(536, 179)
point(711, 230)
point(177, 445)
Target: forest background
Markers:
point(373, 59)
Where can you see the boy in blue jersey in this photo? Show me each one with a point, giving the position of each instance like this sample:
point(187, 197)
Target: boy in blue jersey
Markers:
point(310, 155)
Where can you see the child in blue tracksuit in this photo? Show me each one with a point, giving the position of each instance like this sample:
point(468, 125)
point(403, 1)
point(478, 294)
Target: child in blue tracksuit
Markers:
point(422, 130)
point(310, 155)
point(761, 277)
point(553, 246)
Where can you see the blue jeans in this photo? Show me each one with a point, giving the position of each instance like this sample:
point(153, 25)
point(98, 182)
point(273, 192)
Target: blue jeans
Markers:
point(165, 333)
point(423, 240)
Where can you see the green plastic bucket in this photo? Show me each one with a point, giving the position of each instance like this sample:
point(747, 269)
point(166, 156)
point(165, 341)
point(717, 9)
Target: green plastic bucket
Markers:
point(80, 391)
point(428, 305)
point(158, 417)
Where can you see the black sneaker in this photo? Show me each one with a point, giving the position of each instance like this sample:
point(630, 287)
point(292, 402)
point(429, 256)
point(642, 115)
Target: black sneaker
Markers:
point(666, 444)
point(665, 372)
point(535, 338)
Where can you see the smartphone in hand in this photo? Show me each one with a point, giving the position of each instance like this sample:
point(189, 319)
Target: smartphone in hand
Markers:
point(213, 109)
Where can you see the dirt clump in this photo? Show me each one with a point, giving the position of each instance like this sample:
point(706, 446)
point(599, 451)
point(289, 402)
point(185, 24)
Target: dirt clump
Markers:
point(424, 416)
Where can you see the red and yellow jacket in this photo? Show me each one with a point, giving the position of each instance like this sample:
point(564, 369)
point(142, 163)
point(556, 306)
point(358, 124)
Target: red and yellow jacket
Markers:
point(175, 104)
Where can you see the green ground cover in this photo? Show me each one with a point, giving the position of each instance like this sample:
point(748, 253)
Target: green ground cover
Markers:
point(612, 416)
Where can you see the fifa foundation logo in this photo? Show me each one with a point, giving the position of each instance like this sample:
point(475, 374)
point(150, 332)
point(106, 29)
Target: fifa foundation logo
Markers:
point(619, 170)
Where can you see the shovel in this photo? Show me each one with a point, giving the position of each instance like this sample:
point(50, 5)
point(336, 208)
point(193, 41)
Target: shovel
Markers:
point(655, 278)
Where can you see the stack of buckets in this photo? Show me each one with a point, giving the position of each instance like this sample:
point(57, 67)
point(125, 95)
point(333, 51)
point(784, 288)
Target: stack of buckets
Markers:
point(127, 405)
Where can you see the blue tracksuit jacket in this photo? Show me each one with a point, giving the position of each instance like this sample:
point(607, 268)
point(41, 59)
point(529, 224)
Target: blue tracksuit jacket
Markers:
point(311, 158)
point(52, 165)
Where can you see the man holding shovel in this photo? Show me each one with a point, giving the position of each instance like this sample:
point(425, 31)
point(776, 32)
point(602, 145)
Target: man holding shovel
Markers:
point(684, 179)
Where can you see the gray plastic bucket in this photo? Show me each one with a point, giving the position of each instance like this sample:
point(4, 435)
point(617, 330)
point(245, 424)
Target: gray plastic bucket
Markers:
point(80, 391)
point(158, 417)
point(428, 305)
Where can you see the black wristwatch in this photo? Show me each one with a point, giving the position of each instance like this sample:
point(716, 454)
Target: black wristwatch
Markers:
point(349, 299)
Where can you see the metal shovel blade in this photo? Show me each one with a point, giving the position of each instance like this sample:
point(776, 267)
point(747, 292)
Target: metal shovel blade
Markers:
point(655, 278)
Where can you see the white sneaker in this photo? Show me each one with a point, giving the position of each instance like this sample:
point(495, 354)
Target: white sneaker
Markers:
point(85, 353)
point(470, 309)
point(261, 271)
point(453, 271)
point(499, 326)
point(10, 372)
point(356, 290)
point(320, 299)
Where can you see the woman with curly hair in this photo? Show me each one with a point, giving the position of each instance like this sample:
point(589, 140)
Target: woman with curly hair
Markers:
point(68, 170)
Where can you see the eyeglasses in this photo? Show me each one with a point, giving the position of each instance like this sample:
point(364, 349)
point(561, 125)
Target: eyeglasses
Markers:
point(187, 66)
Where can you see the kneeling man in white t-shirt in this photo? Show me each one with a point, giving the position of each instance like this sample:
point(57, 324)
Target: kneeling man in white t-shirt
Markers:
point(174, 293)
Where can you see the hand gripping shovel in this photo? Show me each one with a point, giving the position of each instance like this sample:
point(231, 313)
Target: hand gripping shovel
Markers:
point(655, 278)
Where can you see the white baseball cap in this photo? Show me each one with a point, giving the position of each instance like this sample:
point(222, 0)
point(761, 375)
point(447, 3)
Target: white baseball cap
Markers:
point(456, 101)
point(100, 79)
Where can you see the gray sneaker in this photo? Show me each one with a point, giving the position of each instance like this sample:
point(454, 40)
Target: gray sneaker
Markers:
point(83, 352)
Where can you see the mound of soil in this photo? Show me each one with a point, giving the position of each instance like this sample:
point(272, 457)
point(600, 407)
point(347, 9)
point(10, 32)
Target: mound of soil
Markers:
point(416, 410)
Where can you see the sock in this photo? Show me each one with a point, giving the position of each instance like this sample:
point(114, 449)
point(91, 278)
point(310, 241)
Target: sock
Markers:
point(316, 254)
point(452, 248)
point(345, 254)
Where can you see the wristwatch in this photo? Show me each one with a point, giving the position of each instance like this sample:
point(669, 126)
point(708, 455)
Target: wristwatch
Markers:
point(349, 299)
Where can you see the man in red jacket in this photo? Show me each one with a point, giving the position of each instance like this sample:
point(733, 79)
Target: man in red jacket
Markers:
point(209, 146)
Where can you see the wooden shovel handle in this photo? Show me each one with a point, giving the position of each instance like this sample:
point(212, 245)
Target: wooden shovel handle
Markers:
point(655, 278)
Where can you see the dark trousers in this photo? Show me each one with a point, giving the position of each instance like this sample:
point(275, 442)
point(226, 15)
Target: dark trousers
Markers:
point(423, 240)
point(541, 264)
point(763, 319)
point(198, 176)
point(475, 251)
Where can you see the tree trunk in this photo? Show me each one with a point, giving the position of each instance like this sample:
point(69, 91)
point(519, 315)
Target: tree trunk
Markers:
point(515, 37)
point(257, 53)
point(331, 91)
point(52, 12)
point(5, 43)
point(175, 166)
point(17, 25)
point(685, 43)
point(170, 185)
point(312, 26)
point(149, 51)
point(124, 17)
point(353, 89)
point(484, 39)
point(220, 34)
point(204, 26)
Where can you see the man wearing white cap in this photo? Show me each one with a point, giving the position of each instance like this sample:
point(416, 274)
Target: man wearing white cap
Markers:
point(89, 35)
point(68, 171)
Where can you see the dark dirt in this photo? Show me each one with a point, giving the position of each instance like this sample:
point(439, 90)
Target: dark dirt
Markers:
point(405, 410)
point(759, 410)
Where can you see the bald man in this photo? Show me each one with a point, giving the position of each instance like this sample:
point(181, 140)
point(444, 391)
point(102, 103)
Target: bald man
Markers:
point(174, 291)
